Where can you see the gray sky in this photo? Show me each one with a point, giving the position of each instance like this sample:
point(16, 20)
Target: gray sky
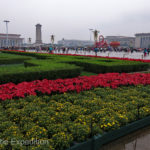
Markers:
point(71, 19)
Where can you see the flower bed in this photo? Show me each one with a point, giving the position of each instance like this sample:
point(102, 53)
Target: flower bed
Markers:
point(48, 87)
point(64, 119)
point(54, 67)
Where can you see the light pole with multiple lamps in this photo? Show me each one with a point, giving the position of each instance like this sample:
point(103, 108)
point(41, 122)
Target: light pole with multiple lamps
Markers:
point(6, 21)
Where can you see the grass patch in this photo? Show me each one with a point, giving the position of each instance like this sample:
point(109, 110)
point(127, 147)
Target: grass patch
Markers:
point(85, 73)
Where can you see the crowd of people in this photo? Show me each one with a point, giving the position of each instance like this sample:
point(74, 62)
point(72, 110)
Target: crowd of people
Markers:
point(65, 50)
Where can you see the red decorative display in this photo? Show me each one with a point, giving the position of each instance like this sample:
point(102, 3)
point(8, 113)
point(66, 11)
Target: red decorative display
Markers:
point(101, 43)
point(114, 44)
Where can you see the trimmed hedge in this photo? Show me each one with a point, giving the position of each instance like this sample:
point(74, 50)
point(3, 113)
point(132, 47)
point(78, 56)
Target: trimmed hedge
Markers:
point(20, 74)
point(59, 66)
point(105, 66)
point(12, 59)
point(34, 69)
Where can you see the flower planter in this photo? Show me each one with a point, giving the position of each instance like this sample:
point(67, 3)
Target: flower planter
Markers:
point(96, 142)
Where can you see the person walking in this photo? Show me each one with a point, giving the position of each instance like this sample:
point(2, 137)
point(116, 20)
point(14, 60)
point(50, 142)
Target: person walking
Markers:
point(64, 49)
point(96, 50)
point(148, 51)
point(76, 50)
point(50, 49)
point(145, 52)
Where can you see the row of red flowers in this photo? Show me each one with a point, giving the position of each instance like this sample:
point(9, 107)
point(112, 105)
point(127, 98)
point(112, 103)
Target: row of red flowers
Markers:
point(113, 80)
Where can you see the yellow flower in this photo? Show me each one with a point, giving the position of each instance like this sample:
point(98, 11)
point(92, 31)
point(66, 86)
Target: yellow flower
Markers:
point(84, 123)
point(109, 124)
point(105, 125)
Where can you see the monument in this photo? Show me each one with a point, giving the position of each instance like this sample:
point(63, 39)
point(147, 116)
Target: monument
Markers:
point(38, 34)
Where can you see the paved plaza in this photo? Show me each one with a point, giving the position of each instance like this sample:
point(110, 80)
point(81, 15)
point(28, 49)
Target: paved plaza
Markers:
point(135, 55)
point(138, 140)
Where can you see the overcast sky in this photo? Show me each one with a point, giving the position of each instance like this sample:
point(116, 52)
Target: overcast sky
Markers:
point(71, 19)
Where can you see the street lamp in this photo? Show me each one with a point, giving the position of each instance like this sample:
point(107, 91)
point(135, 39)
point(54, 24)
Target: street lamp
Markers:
point(90, 33)
point(52, 39)
point(29, 40)
point(6, 21)
point(95, 32)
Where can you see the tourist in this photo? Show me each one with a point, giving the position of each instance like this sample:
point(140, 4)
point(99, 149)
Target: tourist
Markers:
point(148, 51)
point(145, 52)
point(76, 50)
point(37, 49)
point(24, 48)
point(96, 50)
point(50, 49)
point(63, 49)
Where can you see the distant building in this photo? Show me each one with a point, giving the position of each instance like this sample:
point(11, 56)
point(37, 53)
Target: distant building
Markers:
point(124, 40)
point(75, 43)
point(142, 40)
point(13, 40)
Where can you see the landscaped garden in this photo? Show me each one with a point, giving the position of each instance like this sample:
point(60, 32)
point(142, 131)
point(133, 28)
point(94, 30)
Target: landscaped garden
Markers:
point(50, 97)
point(45, 66)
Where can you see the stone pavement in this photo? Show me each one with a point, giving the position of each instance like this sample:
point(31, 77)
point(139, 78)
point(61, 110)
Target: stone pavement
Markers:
point(139, 140)
point(135, 55)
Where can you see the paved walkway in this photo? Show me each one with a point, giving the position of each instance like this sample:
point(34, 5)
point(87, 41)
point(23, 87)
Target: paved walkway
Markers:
point(135, 55)
point(139, 140)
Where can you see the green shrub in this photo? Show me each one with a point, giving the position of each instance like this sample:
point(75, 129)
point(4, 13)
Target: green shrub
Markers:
point(62, 140)
point(79, 131)
point(36, 132)
point(46, 66)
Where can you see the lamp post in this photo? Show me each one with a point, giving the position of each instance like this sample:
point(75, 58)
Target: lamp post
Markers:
point(6, 21)
point(29, 40)
point(95, 32)
point(90, 33)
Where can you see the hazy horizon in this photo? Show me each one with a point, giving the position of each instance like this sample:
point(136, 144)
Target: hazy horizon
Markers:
point(72, 19)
